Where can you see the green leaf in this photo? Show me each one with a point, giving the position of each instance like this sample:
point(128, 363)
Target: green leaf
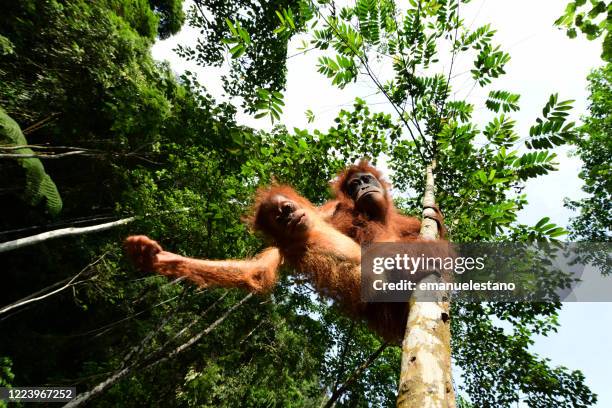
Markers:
point(542, 222)
point(38, 184)
point(237, 51)
point(310, 116)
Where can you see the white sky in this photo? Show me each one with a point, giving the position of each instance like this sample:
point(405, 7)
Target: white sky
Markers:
point(543, 61)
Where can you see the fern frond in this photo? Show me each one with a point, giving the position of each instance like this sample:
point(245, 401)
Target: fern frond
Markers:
point(38, 184)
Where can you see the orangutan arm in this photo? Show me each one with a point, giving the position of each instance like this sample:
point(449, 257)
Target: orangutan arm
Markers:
point(258, 274)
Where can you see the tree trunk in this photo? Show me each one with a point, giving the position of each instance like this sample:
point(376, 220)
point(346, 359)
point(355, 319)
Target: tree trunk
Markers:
point(425, 376)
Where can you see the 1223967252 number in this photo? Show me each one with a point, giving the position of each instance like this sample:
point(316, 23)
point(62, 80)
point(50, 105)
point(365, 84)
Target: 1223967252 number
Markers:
point(37, 394)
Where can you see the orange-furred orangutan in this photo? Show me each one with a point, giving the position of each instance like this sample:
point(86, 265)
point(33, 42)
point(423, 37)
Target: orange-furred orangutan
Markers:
point(322, 244)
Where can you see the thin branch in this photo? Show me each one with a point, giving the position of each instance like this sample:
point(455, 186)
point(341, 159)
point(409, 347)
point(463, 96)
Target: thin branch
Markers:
point(301, 52)
point(194, 339)
point(122, 320)
point(65, 232)
point(347, 339)
point(450, 70)
point(82, 398)
point(81, 151)
point(399, 113)
point(138, 348)
point(41, 123)
point(36, 146)
point(194, 321)
point(34, 296)
point(379, 86)
point(59, 233)
point(44, 156)
point(73, 222)
point(202, 14)
point(404, 64)
point(338, 393)
point(100, 387)
point(252, 331)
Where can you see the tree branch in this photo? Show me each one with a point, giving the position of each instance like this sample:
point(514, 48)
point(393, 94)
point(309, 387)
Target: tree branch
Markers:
point(118, 375)
point(43, 156)
point(59, 233)
point(338, 393)
point(34, 296)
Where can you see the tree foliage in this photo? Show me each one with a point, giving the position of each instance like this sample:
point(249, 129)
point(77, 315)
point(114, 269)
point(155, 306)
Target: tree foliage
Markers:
point(170, 14)
point(480, 174)
point(256, 64)
point(594, 147)
point(593, 19)
point(160, 144)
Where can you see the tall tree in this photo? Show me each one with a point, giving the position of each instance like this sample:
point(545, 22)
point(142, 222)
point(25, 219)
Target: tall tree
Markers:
point(594, 147)
point(480, 173)
point(157, 145)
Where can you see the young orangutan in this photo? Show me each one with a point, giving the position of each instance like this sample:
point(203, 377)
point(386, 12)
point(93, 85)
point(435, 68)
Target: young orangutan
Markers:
point(301, 237)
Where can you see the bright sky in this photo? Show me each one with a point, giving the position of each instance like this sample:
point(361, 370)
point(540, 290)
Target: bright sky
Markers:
point(543, 61)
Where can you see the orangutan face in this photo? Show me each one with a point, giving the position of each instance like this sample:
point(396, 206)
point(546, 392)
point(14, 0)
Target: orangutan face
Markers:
point(287, 217)
point(367, 193)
